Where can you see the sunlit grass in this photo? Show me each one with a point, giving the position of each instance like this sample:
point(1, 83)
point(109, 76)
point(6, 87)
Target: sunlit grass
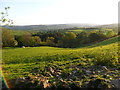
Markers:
point(18, 62)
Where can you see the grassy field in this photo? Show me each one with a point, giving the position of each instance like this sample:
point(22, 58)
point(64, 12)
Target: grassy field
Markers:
point(108, 41)
point(21, 62)
point(21, 32)
point(80, 30)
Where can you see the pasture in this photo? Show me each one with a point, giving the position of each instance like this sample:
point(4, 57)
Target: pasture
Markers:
point(21, 62)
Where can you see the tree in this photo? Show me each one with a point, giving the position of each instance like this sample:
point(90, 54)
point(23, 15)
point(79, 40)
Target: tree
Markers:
point(4, 17)
point(25, 39)
point(96, 37)
point(8, 39)
point(69, 35)
point(110, 34)
point(28, 40)
point(68, 40)
point(82, 38)
point(37, 40)
point(5, 20)
point(50, 41)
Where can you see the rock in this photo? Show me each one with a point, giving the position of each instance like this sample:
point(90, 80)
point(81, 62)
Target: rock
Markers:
point(88, 72)
point(51, 70)
point(23, 46)
point(27, 77)
point(74, 72)
point(104, 68)
point(58, 73)
point(28, 82)
point(46, 84)
point(19, 81)
point(61, 80)
point(98, 83)
point(116, 83)
point(58, 70)
point(99, 71)
point(33, 81)
point(48, 74)
point(93, 72)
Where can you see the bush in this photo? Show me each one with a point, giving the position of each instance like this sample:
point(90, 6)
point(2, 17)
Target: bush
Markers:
point(107, 59)
point(8, 39)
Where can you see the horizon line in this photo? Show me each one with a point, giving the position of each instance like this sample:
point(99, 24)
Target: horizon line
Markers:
point(57, 24)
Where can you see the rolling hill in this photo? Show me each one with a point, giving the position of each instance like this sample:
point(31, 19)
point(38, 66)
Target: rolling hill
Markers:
point(59, 26)
point(74, 65)
point(48, 27)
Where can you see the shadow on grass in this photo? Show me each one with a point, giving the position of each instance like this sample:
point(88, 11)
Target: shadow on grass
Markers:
point(106, 42)
point(100, 43)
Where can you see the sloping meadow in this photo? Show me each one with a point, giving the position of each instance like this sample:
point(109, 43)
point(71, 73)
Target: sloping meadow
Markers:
point(64, 63)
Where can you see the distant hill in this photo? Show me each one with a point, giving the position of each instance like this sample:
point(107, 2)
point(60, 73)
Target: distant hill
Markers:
point(49, 27)
point(60, 26)
point(108, 26)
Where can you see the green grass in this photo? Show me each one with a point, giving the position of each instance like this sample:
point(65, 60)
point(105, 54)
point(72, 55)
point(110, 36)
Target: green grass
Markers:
point(19, 62)
point(21, 32)
point(77, 30)
point(80, 30)
point(108, 41)
point(18, 32)
point(108, 29)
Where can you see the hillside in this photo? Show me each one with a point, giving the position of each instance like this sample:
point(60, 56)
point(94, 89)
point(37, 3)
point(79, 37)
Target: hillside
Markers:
point(108, 41)
point(49, 27)
point(60, 26)
point(79, 66)
point(108, 26)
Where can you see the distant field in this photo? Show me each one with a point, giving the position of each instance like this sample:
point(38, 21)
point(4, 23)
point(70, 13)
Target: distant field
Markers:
point(109, 29)
point(88, 30)
point(21, 32)
point(18, 32)
point(80, 30)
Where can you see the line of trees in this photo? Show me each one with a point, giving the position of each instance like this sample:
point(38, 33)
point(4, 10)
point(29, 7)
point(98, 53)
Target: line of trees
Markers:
point(53, 38)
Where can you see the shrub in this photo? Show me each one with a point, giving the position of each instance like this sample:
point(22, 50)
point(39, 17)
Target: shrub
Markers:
point(107, 59)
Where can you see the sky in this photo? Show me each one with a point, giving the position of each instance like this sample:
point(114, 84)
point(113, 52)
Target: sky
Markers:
point(36, 12)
